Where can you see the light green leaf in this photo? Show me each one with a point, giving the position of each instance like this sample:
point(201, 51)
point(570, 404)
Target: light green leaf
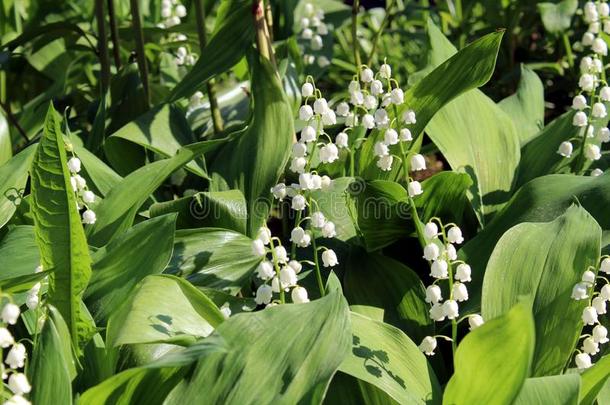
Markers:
point(551, 390)
point(19, 255)
point(334, 203)
point(385, 357)
point(526, 106)
point(13, 178)
point(221, 209)
point(59, 231)
point(444, 196)
point(544, 261)
point(100, 177)
point(593, 380)
point(143, 250)
point(557, 17)
point(52, 367)
point(214, 258)
point(117, 211)
point(6, 148)
point(502, 350)
point(255, 160)
point(297, 362)
point(163, 309)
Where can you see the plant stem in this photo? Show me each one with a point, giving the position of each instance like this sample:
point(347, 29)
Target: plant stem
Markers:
point(13, 120)
point(315, 259)
point(386, 20)
point(211, 85)
point(140, 55)
point(580, 161)
point(277, 272)
point(114, 35)
point(263, 41)
point(355, 9)
point(102, 46)
point(569, 54)
point(269, 20)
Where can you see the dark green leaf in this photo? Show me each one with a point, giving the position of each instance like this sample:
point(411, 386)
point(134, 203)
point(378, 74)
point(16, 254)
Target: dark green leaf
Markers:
point(13, 177)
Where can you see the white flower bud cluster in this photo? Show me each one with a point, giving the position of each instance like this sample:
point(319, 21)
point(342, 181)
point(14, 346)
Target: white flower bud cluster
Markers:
point(84, 196)
point(276, 270)
point(185, 57)
point(597, 296)
point(313, 28)
point(172, 12)
point(594, 91)
point(444, 265)
point(15, 359)
point(195, 102)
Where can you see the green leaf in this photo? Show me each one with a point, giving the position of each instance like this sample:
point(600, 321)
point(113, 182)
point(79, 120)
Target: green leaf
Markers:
point(117, 211)
point(255, 160)
point(485, 145)
point(163, 130)
point(59, 231)
point(100, 177)
point(143, 250)
point(386, 290)
point(19, 255)
point(502, 350)
point(232, 36)
point(385, 357)
point(541, 200)
point(544, 261)
point(551, 390)
point(444, 196)
point(335, 204)
point(163, 309)
point(13, 178)
point(557, 17)
point(272, 357)
point(221, 209)
point(6, 148)
point(526, 106)
point(593, 380)
point(213, 258)
point(52, 367)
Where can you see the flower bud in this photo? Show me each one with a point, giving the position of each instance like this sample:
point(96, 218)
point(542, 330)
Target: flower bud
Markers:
point(565, 149)
point(428, 345)
point(299, 295)
point(433, 294)
point(265, 270)
point(329, 258)
point(264, 293)
point(475, 321)
point(414, 189)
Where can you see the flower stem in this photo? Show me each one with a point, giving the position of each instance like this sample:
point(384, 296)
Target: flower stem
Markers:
point(315, 259)
point(102, 46)
point(568, 47)
point(140, 55)
point(386, 20)
point(580, 161)
point(114, 35)
point(355, 9)
point(277, 272)
point(263, 40)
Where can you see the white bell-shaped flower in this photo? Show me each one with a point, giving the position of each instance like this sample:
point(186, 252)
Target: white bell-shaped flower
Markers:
point(588, 277)
point(431, 251)
point(10, 313)
point(565, 149)
point(460, 292)
point(603, 135)
point(307, 90)
point(288, 277)
point(32, 301)
point(580, 119)
point(89, 217)
point(265, 270)
point(428, 345)
point(390, 137)
point(587, 38)
point(297, 165)
point(589, 316)
point(436, 312)
point(385, 162)
point(385, 71)
point(454, 235)
point(579, 291)
point(439, 269)
point(599, 304)
point(329, 117)
point(299, 295)
point(6, 339)
point(603, 9)
point(405, 135)
point(600, 47)
point(583, 361)
point(368, 121)
point(430, 230)
point(370, 102)
point(264, 234)
point(19, 384)
point(463, 273)
point(433, 294)
point(329, 153)
point(88, 197)
point(341, 140)
point(381, 149)
point(381, 118)
point(414, 189)
point(408, 117)
point(264, 293)
point(474, 321)
point(376, 87)
point(328, 230)
point(598, 110)
point(258, 248)
point(592, 152)
point(450, 252)
point(298, 202)
point(308, 134)
point(16, 356)
point(325, 182)
point(587, 82)
point(596, 172)
point(353, 86)
point(296, 266)
point(356, 97)
point(451, 309)
point(320, 106)
point(329, 258)
point(316, 43)
point(307, 33)
point(418, 162)
point(299, 150)
point(579, 102)
point(366, 75)
point(590, 12)
point(74, 165)
point(305, 113)
point(318, 219)
point(397, 97)
point(600, 334)
point(590, 346)
point(604, 266)
point(342, 109)
point(322, 29)
point(181, 11)
point(280, 254)
point(279, 191)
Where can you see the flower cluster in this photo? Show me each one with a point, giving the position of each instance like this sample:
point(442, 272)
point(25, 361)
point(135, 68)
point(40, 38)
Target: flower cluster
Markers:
point(184, 56)
point(589, 103)
point(84, 196)
point(171, 12)
point(313, 29)
point(15, 359)
point(586, 289)
point(444, 265)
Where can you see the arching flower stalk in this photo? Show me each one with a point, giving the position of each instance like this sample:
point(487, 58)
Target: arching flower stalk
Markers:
point(84, 196)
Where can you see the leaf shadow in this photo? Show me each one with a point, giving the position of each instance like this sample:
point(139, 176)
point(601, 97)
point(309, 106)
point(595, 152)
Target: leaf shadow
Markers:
point(375, 361)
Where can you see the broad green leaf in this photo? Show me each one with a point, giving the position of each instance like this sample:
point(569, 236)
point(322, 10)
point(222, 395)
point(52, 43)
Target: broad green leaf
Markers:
point(336, 206)
point(255, 160)
point(272, 357)
point(117, 211)
point(392, 290)
point(52, 367)
point(59, 231)
point(444, 196)
point(501, 350)
point(19, 255)
point(221, 209)
point(541, 200)
point(143, 250)
point(593, 380)
point(13, 178)
point(6, 148)
point(526, 106)
point(347, 390)
point(484, 145)
point(551, 390)
point(163, 130)
point(163, 309)
point(213, 258)
point(100, 177)
point(544, 261)
point(232, 36)
point(557, 17)
point(385, 357)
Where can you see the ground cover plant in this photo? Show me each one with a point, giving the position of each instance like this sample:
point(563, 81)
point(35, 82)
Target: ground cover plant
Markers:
point(304, 201)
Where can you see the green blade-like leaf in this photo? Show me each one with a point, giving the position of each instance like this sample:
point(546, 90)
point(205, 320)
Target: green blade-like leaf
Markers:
point(59, 231)
point(19, 254)
point(100, 177)
point(544, 261)
point(143, 250)
point(444, 196)
point(593, 380)
point(13, 178)
point(526, 106)
point(386, 358)
point(117, 211)
point(232, 36)
point(556, 389)
point(501, 350)
point(214, 258)
point(52, 367)
point(163, 309)
point(284, 354)
point(255, 161)
point(6, 148)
